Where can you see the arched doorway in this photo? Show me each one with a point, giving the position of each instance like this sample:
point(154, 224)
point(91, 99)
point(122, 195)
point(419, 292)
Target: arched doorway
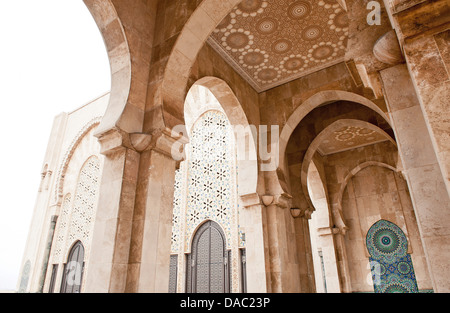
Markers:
point(73, 270)
point(208, 264)
point(207, 187)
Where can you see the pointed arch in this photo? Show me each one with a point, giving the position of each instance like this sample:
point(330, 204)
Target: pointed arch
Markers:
point(73, 269)
point(191, 39)
point(122, 64)
point(313, 102)
point(308, 158)
point(58, 195)
point(347, 178)
point(209, 269)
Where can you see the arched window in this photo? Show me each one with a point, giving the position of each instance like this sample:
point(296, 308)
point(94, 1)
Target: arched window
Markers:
point(208, 268)
point(391, 265)
point(73, 270)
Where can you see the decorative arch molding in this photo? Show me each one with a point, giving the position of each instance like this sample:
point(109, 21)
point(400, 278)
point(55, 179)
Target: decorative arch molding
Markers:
point(73, 269)
point(226, 101)
point(209, 258)
point(319, 99)
point(70, 247)
point(353, 172)
point(113, 33)
point(58, 196)
point(308, 158)
point(317, 186)
point(195, 232)
point(193, 36)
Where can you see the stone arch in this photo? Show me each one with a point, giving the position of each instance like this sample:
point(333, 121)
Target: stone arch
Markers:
point(68, 155)
point(70, 247)
point(318, 140)
point(227, 102)
point(347, 178)
point(196, 229)
point(326, 266)
point(210, 252)
point(319, 99)
point(75, 256)
point(193, 36)
point(113, 33)
point(318, 186)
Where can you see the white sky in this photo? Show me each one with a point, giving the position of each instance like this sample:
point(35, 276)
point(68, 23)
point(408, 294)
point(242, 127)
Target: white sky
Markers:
point(52, 60)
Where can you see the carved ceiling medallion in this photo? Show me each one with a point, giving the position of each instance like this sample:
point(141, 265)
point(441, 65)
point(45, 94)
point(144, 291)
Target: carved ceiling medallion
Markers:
point(349, 137)
point(272, 42)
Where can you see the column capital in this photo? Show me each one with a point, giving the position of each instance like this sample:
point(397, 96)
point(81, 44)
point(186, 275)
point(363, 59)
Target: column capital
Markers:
point(168, 143)
point(421, 18)
point(163, 141)
point(303, 213)
point(250, 200)
point(339, 230)
point(113, 140)
point(281, 200)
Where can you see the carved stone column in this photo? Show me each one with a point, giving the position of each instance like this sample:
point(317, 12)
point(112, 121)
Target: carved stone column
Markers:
point(152, 220)
point(330, 262)
point(304, 249)
point(281, 234)
point(252, 218)
point(423, 174)
point(342, 259)
point(424, 31)
point(108, 261)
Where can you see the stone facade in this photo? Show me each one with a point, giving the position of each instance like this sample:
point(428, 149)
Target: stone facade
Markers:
point(66, 205)
point(335, 134)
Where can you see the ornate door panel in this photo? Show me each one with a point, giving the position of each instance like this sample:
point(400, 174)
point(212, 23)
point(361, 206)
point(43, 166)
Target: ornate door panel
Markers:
point(208, 265)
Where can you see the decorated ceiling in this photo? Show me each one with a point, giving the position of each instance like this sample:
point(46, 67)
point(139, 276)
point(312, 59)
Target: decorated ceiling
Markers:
point(349, 137)
point(272, 42)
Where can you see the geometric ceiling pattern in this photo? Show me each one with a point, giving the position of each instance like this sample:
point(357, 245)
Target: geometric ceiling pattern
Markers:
point(272, 42)
point(349, 137)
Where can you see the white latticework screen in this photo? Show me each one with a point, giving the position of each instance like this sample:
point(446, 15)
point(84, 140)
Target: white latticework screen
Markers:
point(206, 188)
point(76, 218)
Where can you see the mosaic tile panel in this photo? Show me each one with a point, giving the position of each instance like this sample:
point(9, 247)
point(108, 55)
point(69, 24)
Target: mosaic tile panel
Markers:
point(391, 266)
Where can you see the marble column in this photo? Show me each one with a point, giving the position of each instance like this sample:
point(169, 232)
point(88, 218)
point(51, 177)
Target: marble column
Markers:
point(422, 28)
point(428, 59)
point(304, 251)
point(108, 262)
point(330, 264)
point(422, 171)
point(342, 259)
point(281, 235)
point(152, 221)
point(252, 217)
